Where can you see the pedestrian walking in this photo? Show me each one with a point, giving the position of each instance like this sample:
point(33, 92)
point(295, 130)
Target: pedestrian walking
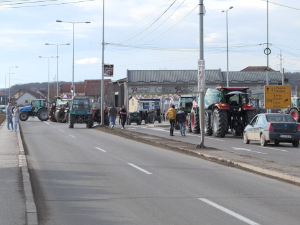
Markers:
point(123, 114)
point(9, 116)
point(112, 116)
point(120, 119)
point(16, 117)
point(181, 120)
point(171, 115)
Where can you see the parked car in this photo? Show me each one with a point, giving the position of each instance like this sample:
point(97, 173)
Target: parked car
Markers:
point(272, 128)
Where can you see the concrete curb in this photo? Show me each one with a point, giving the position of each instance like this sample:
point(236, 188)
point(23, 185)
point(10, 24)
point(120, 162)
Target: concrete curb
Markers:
point(31, 212)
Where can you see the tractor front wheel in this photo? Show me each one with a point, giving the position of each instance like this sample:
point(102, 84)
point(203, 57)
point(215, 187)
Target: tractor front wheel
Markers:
point(90, 122)
point(71, 121)
point(208, 127)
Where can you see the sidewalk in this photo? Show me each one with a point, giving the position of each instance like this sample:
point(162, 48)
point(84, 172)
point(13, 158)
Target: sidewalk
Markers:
point(16, 206)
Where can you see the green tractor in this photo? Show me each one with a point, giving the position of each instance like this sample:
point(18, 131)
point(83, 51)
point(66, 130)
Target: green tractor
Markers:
point(37, 108)
point(186, 102)
point(294, 111)
point(81, 112)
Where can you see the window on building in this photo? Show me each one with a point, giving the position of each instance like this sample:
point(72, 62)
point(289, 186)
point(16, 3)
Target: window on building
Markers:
point(26, 101)
point(132, 102)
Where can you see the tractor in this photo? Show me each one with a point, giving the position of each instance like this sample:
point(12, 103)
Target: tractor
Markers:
point(147, 110)
point(135, 117)
point(37, 108)
point(62, 110)
point(225, 108)
point(186, 102)
point(97, 114)
point(81, 112)
point(294, 111)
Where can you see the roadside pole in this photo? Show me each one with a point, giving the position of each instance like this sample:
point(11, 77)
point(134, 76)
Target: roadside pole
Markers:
point(102, 81)
point(201, 74)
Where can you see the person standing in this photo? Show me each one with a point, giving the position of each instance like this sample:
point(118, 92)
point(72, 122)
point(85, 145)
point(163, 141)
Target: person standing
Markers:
point(123, 114)
point(171, 115)
point(112, 116)
point(181, 119)
point(9, 116)
point(158, 113)
point(16, 117)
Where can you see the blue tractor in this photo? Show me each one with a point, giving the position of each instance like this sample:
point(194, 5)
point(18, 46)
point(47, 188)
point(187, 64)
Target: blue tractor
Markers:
point(37, 108)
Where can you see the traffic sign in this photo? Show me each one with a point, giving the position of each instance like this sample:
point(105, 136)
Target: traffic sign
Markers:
point(277, 96)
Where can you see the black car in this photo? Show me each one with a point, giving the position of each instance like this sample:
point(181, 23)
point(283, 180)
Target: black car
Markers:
point(272, 128)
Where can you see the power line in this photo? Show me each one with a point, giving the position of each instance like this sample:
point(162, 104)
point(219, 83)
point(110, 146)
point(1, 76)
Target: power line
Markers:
point(286, 6)
point(11, 5)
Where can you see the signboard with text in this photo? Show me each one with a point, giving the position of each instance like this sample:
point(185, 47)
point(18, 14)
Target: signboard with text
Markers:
point(201, 75)
point(108, 70)
point(277, 96)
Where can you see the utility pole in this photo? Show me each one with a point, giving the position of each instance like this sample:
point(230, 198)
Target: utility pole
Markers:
point(281, 70)
point(102, 81)
point(201, 74)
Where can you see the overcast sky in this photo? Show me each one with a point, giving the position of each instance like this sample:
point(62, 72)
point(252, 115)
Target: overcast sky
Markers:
point(142, 35)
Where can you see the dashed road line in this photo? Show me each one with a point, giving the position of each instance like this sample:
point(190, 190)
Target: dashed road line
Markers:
point(274, 149)
point(61, 130)
point(139, 168)
point(72, 136)
point(248, 150)
point(236, 215)
point(102, 150)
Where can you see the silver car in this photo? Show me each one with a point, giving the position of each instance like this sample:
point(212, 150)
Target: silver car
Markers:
point(272, 128)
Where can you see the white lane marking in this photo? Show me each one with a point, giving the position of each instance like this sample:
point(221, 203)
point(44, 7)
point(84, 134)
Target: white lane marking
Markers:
point(139, 168)
point(248, 150)
point(215, 139)
point(274, 149)
point(236, 215)
point(61, 130)
point(72, 136)
point(48, 124)
point(100, 149)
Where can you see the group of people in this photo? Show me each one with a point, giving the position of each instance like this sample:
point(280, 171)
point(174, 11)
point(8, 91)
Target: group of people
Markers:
point(12, 112)
point(122, 116)
point(174, 116)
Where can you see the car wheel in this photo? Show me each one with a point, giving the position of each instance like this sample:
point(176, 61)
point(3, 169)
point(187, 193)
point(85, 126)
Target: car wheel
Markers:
point(263, 141)
point(295, 144)
point(246, 140)
point(276, 143)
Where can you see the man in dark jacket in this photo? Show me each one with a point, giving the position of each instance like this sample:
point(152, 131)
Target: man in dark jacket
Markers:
point(181, 119)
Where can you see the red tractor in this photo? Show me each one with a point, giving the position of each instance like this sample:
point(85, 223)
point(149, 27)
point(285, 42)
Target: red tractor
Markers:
point(225, 108)
point(97, 114)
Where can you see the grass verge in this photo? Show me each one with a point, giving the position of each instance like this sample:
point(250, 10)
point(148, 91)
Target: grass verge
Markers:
point(2, 118)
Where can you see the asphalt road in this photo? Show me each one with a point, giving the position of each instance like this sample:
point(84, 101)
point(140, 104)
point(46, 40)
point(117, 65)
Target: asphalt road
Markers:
point(284, 153)
point(83, 176)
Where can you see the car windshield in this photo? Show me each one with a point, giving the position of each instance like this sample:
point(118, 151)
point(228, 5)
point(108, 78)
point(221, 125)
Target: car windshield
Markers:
point(280, 118)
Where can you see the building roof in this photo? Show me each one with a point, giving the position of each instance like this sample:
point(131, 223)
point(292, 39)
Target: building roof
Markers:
point(136, 77)
point(66, 88)
point(93, 87)
point(257, 68)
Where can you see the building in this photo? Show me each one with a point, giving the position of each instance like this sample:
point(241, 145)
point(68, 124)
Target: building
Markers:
point(167, 85)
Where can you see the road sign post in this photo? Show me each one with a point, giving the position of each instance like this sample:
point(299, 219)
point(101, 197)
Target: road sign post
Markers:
point(277, 96)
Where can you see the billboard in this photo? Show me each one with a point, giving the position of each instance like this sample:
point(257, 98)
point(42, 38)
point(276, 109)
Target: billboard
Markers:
point(108, 70)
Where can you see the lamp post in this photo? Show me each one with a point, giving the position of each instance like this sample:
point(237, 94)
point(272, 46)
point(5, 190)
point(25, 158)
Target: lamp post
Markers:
point(102, 81)
point(6, 90)
point(9, 80)
point(60, 21)
point(50, 57)
point(227, 42)
point(57, 63)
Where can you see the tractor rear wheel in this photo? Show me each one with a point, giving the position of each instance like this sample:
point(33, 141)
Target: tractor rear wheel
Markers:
point(24, 116)
point(219, 123)
point(295, 114)
point(208, 127)
point(195, 123)
point(42, 115)
point(71, 121)
point(90, 122)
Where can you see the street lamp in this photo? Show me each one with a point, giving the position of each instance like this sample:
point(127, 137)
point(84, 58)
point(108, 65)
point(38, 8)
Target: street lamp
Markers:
point(5, 90)
point(48, 72)
point(227, 40)
point(9, 80)
point(60, 21)
point(57, 63)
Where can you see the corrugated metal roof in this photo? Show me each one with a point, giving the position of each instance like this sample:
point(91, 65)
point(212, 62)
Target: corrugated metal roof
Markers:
point(190, 76)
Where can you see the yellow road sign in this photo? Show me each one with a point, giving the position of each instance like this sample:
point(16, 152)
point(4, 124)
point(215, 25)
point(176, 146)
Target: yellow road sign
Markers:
point(277, 96)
